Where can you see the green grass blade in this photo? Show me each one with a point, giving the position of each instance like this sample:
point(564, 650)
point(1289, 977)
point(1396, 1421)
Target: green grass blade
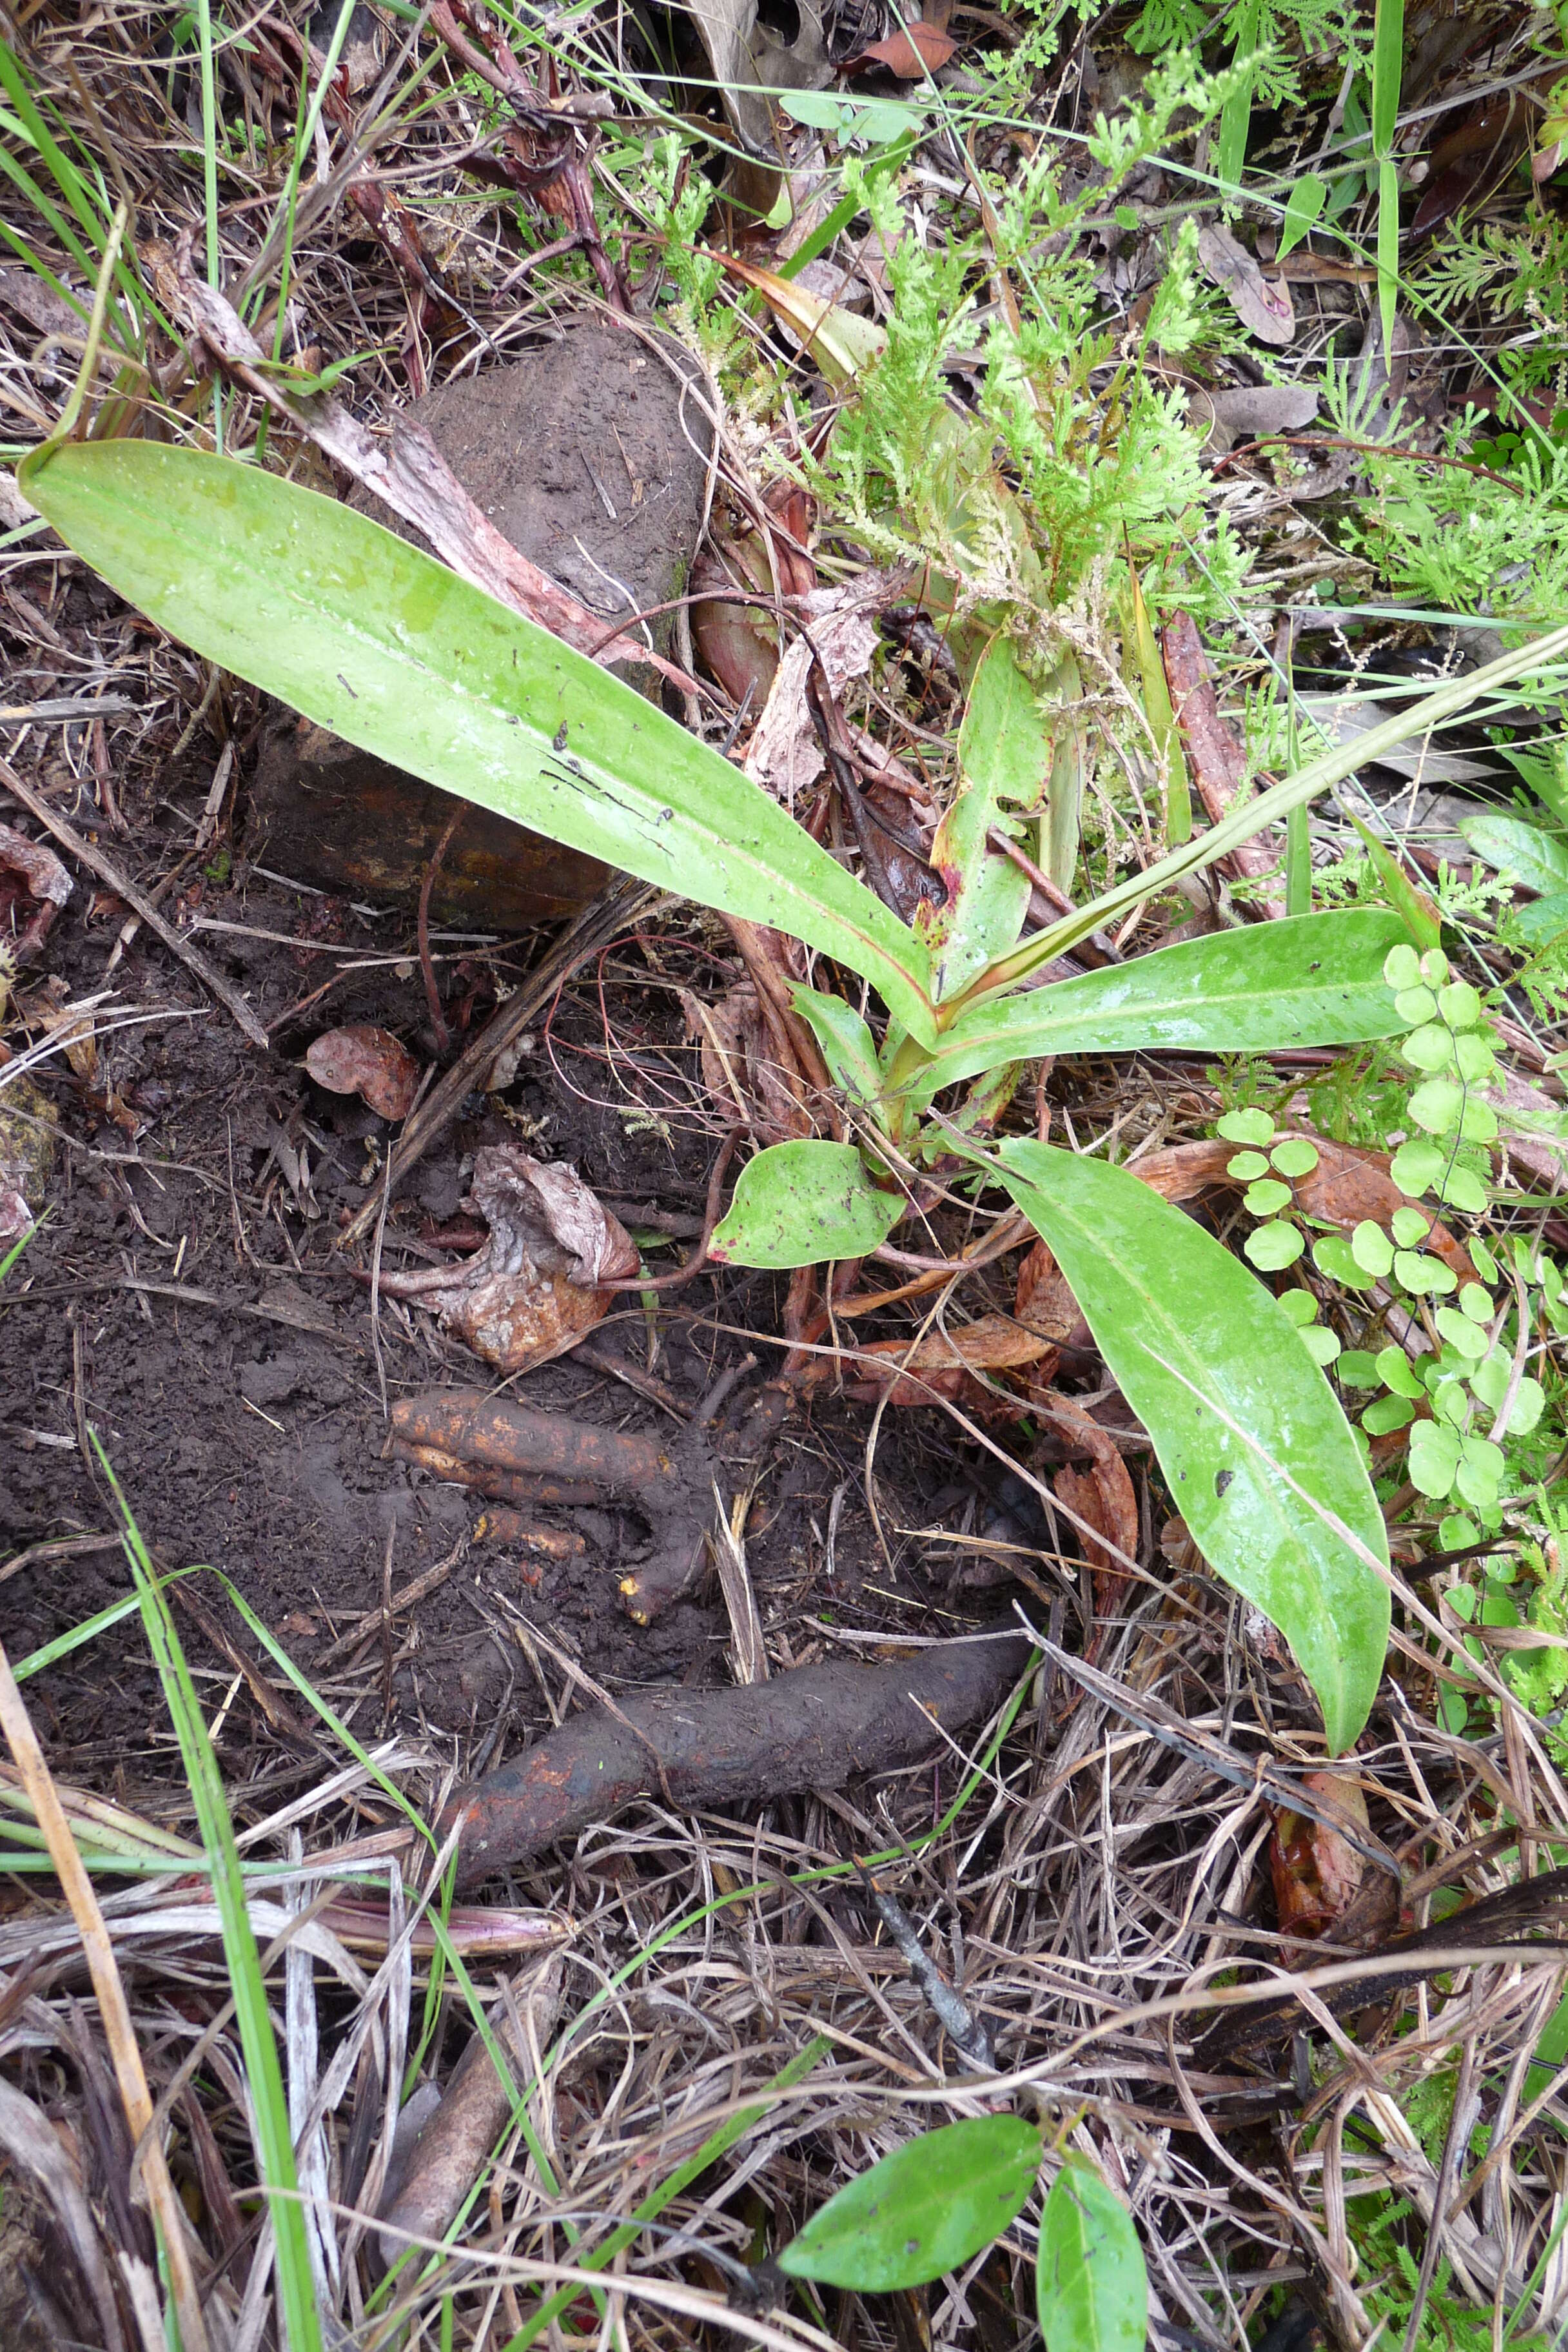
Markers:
point(273, 2144)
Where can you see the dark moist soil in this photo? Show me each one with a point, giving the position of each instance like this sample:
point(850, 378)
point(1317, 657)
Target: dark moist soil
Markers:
point(248, 1434)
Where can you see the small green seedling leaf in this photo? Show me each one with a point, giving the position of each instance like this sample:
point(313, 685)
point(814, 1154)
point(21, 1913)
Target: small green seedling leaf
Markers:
point(1245, 1127)
point(1091, 2288)
point(1274, 1246)
point(930, 2206)
point(1295, 1156)
point(800, 1203)
point(847, 1045)
point(1305, 204)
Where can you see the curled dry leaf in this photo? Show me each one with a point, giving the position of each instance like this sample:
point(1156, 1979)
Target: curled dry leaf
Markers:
point(1262, 304)
point(785, 757)
point(1317, 1872)
point(535, 1288)
point(940, 1363)
point(911, 52)
point(369, 1063)
point(33, 886)
point(1045, 1303)
point(1105, 1495)
point(1214, 748)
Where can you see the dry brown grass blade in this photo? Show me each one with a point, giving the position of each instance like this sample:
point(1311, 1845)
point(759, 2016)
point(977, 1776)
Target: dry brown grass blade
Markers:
point(29, 2141)
point(113, 2006)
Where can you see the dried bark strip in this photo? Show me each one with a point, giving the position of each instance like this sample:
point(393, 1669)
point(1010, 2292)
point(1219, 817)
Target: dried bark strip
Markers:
point(817, 1728)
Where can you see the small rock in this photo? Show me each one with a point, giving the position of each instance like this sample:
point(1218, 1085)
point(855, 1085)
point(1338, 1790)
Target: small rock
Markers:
point(591, 456)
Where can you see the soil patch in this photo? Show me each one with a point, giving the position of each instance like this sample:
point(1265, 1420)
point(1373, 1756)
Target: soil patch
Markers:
point(184, 1300)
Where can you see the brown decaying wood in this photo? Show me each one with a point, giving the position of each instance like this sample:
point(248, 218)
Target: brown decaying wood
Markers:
point(817, 1728)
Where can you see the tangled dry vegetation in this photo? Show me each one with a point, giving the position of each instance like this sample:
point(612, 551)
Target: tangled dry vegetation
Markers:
point(1085, 1903)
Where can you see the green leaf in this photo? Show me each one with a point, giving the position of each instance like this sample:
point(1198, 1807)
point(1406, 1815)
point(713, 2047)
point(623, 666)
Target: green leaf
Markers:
point(1543, 921)
point(1332, 1255)
point(1428, 1048)
point(1295, 1156)
point(1410, 1230)
point(1518, 850)
point(1003, 755)
point(1244, 1127)
point(1421, 917)
point(1245, 1166)
point(1462, 1188)
point(1396, 1372)
point(1424, 1276)
point(1260, 1460)
point(1266, 1197)
point(848, 1046)
point(799, 1204)
point(1417, 1165)
point(375, 640)
point(1091, 2289)
point(1275, 1246)
point(1385, 1413)
point(1311, 979)
point(1371, 1249)
point(1387, 72)
point(1460, 1332)
point(930, 2206)
point(1433, 1458)
point(1305, 204)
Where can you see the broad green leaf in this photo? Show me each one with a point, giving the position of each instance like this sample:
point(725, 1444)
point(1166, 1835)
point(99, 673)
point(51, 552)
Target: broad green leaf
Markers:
point(1515, 847)
point(924, 2211)
point(1312, 980)
point(1259, 1459)
point(1091, 2288)
point(1303, 205)
point(799, 1204)
point(1003, 755)
point(375, 640)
